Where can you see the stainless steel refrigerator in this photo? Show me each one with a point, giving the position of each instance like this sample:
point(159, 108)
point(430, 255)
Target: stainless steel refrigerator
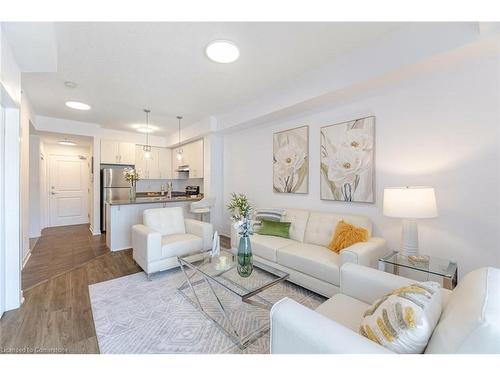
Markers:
point(113, 186)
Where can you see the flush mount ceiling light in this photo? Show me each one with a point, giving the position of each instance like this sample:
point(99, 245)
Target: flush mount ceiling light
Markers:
point(70, 85)
point(67, 142)
point(145, 130)
point(222, 51)
point(77, 105)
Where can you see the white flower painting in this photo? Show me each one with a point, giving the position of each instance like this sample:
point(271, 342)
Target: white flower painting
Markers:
point(291, 161)
point(347, 165)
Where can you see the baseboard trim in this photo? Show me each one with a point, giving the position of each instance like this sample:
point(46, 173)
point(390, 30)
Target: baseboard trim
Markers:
point(94, 232)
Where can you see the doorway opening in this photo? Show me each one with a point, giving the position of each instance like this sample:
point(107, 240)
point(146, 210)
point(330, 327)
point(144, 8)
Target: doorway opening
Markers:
point(60, 201)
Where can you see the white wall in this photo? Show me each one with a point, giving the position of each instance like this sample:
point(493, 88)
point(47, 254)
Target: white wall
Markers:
point(43, 187)
point(437, 128)
point(27, 117)
point(2, 209)
point(35, 226)
point(213, 177)
point(10, 249)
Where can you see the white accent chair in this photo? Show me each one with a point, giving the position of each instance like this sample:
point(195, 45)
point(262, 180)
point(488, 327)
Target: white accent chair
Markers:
point(469, 322)
point(202, 206)
point(165, 235)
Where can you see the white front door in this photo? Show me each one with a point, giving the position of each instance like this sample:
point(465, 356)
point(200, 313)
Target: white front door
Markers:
point(68, 190)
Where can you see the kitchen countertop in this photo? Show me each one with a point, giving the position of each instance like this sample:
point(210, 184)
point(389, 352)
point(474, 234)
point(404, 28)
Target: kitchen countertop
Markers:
point(160, 199)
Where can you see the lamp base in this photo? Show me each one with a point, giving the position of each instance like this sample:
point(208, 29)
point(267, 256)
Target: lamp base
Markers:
point(409, 238)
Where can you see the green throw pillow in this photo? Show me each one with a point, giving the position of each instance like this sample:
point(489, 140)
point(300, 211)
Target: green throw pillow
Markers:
point(275, 228)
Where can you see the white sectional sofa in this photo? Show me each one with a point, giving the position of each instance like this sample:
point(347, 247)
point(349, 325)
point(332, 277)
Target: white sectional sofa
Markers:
point(305, 255)
point(469, 322)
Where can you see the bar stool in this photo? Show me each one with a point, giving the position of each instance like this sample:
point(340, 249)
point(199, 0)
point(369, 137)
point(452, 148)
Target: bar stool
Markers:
point(202, 207)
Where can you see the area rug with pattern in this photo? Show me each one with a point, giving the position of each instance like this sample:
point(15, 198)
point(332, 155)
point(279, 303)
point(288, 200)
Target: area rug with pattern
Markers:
point(134, 315)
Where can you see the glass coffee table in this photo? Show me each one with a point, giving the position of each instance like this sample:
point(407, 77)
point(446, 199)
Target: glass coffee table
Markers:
point(429, 265)
point(213, 285)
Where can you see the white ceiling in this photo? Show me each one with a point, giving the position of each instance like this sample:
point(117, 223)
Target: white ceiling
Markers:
point(54, 138)
point(121, 68)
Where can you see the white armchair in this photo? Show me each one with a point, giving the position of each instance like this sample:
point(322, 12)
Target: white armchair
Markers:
point(165, 235)
point(469, 323)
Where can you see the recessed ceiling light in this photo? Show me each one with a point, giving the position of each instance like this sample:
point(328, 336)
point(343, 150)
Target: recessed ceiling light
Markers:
point(70, 84)
point(67, 142)
point(222, 51)
point(78, 105)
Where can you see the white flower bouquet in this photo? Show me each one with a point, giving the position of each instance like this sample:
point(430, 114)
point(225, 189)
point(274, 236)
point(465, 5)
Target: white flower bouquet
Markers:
point(240, 210)
point(131, 175)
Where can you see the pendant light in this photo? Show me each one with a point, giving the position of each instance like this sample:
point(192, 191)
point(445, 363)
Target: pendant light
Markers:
point(147, 147)
point(179, 149)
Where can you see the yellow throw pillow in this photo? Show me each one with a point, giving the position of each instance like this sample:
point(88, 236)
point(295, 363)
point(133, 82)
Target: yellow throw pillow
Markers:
point(346, 235)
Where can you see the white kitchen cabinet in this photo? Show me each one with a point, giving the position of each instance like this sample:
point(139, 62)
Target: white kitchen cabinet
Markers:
point(109, 152)
point(176, 163)
point(141, 164)
point(158, 167)
point(165, 163)
point(196, 159)
point(127, 153)
point(192, 156)
point(114, 152)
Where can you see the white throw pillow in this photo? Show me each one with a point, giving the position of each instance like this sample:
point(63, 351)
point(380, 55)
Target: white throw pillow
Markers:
point(403, 320)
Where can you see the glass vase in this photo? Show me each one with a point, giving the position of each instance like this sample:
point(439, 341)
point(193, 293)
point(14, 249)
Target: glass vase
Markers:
point(245, 261)
point(132, 192)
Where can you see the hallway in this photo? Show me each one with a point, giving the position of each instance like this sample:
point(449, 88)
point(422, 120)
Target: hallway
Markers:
point(59, 250)
point(56, 316)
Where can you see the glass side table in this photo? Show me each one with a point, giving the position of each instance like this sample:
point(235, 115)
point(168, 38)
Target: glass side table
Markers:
point(430, 265)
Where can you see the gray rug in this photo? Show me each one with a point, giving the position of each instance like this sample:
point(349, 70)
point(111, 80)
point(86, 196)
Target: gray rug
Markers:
point(133, 315)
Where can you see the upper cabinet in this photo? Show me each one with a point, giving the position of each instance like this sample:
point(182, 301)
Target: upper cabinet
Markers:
point(192, 156)
point(162, 165)
point(165, 163)
point(196, 159)
point(158, 167)
point(114, 152)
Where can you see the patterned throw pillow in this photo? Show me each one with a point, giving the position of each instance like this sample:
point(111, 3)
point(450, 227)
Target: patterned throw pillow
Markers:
point(269, 214)
point(346, 235)
point(403, 320)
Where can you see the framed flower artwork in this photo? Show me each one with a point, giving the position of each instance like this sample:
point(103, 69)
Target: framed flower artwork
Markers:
point(347, 161)
point(291, 161)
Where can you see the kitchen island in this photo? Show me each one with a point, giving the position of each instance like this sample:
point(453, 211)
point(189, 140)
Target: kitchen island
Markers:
point(123, 213)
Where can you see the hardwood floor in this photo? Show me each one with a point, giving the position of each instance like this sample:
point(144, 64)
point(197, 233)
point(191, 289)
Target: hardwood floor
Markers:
point(59, 250)
point(56, 316)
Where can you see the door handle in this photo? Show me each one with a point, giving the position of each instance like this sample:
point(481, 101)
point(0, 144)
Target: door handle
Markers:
point(53, 193)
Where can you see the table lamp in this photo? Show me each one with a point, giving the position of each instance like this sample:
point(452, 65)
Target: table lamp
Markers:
point(410, 203)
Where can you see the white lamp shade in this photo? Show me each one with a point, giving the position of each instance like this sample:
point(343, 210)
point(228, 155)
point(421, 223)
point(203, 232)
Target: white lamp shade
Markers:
point(410, 202)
